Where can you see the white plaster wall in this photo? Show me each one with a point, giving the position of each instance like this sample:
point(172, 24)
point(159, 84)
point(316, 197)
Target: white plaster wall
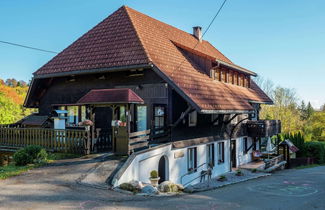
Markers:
point(143, 163)
point(242, 157)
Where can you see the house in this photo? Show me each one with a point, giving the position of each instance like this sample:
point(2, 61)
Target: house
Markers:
point(167, 96)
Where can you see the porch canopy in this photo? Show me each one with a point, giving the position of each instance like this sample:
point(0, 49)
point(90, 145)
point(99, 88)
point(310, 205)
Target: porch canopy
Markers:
point(111, 96)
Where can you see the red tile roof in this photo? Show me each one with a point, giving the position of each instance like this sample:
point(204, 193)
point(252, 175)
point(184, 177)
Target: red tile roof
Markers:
point(128, 37)
point(110, 96)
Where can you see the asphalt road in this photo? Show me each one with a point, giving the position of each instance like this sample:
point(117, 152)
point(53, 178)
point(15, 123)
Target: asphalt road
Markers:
point(55, 187)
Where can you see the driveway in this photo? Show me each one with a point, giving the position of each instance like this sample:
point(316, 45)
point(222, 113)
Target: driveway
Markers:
point(55, 187)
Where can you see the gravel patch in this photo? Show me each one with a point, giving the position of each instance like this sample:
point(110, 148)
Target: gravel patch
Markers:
point(231, 178)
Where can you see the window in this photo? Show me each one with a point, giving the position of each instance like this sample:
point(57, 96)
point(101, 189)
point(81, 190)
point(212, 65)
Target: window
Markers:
point(192, 119)
point(83, 113)
point(245, 145)
point(221, 152)
point(223, 76)
point(217, 75)
point(192, 159)
point(73, 115)
point(210, 155)
point(141, 118)
point(159, 118)
point(231, 77)
point(236, 78)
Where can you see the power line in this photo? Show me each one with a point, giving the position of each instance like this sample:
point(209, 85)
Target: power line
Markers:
point(207, 29)
point(28, 47)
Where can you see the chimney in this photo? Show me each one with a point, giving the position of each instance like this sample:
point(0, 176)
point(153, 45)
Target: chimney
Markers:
point(197, 32)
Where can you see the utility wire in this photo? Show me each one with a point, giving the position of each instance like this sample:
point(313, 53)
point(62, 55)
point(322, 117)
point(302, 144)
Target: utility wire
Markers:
point(206, 30)
point(28, 47)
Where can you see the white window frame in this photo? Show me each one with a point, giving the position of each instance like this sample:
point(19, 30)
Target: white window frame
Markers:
point(192, 119)
point(210, 154)
point(192, 159)
point(221, 152)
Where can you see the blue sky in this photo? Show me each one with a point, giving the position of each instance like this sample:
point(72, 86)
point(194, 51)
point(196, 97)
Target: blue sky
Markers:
point(280, 40)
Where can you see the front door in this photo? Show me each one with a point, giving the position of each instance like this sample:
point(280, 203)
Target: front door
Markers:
point(162, 169)
point(233, 154)
point(103, 129)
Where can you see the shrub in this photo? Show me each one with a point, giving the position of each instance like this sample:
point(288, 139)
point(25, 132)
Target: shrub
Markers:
point(315, 150)
point(30, 154)
point(33, 150)
point(22, 158)
point(154, 174)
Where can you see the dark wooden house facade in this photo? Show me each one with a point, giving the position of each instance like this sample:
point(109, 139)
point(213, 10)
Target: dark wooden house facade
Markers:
point(189, 93)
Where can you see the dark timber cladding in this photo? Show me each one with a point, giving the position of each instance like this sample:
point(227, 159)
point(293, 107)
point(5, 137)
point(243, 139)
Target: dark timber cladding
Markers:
point(68, 90)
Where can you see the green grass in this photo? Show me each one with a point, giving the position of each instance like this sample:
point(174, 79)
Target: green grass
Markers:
point(309, 166)
point(13, 170)
point(62, 156)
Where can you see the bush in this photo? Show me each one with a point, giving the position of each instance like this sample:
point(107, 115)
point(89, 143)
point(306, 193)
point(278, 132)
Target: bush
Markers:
point(315, 150)
point(30, 154)
point(22, 158)
point(33, 150)
point(154, 174)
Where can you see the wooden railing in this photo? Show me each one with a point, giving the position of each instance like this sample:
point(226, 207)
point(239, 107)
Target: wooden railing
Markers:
point(73, 141)
point(138, 140)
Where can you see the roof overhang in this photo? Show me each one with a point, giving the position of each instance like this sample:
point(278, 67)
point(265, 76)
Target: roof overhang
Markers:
point(226, 111)
point(110, 96)
point(92, 71)
point(261, 102)
point(235, 67)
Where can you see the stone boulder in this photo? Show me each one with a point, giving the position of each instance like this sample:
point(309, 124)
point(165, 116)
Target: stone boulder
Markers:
point(137, 184)
point(168, 186)
point(150, 190)
point(133, 186)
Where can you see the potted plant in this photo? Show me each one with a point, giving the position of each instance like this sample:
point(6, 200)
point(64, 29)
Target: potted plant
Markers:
point(239, 173)
point(222, 178)
point(154, 178)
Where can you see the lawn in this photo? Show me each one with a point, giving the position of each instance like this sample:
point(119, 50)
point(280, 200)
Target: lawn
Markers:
point(13, 170)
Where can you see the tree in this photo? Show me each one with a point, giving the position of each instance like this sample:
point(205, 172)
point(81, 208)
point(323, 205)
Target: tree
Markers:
point(309, 110)
point(284, 109)
point(315, 127)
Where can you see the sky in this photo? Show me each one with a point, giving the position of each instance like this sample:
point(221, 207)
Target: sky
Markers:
point(283, 41)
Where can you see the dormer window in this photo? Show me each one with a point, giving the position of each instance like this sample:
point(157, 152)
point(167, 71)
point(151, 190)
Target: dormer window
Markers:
point(231, 77)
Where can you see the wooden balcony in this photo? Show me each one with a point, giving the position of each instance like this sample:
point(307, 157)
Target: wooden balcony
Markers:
point(263, 128)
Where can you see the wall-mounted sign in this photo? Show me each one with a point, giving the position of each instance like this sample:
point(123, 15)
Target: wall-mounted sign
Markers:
point(178, 154)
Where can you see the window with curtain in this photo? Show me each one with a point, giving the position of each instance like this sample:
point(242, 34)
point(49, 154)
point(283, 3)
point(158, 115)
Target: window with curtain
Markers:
point(192, 159)
point(73, 115)
point(159, 118)
point(210, 155)
point(221, 152)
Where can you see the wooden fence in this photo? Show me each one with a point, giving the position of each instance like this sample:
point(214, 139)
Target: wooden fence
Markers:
point(73, 141)
point(138, 140)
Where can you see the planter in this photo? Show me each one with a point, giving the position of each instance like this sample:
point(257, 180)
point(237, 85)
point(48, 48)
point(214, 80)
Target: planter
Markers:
point(154, 181)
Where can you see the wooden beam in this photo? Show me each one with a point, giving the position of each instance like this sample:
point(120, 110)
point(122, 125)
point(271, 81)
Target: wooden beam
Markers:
point(183, 115)
point(139, 133)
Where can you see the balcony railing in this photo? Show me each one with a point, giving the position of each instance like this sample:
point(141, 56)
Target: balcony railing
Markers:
point(263, 128)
